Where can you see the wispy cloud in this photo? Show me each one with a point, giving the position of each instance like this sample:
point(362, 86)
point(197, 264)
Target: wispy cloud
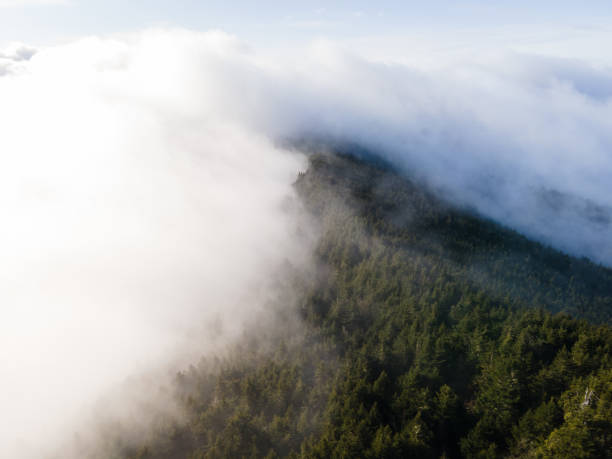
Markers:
point(13, 56)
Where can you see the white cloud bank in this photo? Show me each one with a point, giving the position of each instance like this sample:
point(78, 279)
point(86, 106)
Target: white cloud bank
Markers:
point(134, 215)
point(141, 191)
point(526, 140)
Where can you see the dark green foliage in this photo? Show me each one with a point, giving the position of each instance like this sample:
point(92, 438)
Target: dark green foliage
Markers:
point(429, 332)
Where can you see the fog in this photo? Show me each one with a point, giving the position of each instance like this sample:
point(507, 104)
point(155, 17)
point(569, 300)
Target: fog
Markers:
point(145, 194)
point(523, 139)
point(138, 225)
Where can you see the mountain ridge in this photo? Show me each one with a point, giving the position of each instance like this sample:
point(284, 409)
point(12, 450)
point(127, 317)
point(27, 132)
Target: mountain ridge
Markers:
point(582, 281)
point(414, 343)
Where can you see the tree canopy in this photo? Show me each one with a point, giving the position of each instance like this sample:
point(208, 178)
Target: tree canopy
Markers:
point(428, 331)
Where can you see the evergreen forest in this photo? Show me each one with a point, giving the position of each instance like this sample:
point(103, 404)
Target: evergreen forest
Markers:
point(425, 331)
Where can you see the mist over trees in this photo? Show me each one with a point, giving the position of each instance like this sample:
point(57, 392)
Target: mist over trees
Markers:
point(428, 332)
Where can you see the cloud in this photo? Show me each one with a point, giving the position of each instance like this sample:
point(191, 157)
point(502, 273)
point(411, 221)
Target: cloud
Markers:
point(495, 135)
point(134, 217)
point(144, 192)
point(18, 52)
point(12, 56)
point(500, 134)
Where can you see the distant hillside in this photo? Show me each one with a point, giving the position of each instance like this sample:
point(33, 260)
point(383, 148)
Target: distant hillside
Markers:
point(426, 333)
point(413, 221)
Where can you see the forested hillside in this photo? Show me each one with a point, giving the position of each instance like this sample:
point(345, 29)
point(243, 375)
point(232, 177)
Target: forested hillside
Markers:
point(427, 332)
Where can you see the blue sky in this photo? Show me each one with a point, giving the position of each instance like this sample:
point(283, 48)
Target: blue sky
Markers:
point(267, 22)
